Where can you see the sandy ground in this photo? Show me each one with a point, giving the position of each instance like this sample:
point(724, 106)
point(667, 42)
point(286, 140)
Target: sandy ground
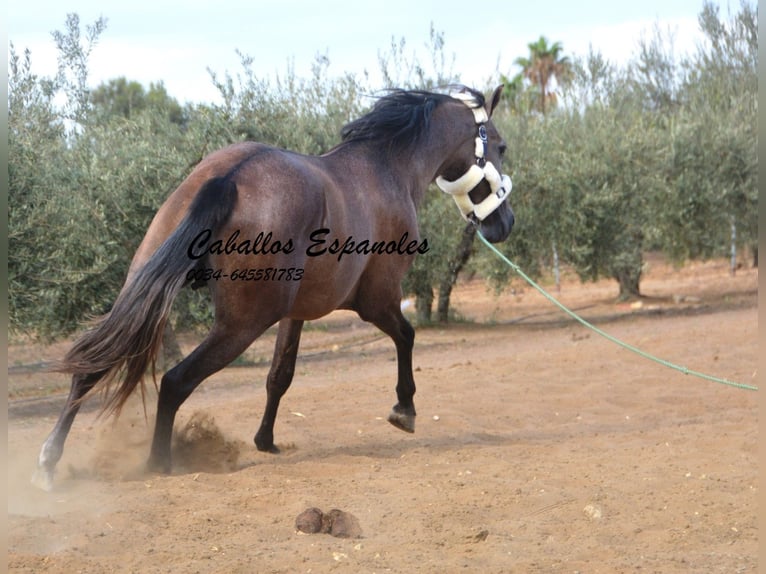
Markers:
point(540, 447)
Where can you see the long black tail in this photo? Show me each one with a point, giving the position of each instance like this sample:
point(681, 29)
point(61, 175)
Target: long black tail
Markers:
point(125, 342)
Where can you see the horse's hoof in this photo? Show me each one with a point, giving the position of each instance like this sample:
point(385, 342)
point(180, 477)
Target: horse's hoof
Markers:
point(266, 446)
point(271, 449)
point(264, 442)
point(43, 479)
point(158, 467)
point(402, 421)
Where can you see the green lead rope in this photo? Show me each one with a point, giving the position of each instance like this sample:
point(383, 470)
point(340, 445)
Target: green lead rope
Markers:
point(681, 369)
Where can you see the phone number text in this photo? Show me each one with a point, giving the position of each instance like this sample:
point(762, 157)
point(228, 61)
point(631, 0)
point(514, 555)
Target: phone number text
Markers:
point(264, 274)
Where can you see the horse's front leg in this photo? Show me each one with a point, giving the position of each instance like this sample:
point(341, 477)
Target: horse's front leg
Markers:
point(279, 379)
point(394, 324)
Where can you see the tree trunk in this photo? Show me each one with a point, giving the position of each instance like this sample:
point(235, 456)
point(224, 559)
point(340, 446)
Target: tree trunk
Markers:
point(627, 264)
point(629, 285)
point(556, 270)
point(733, 261)
point(424, 298)
point(627, 268)
point(456, 264)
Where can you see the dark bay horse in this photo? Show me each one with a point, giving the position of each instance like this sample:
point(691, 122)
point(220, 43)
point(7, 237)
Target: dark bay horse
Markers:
point(280, 237)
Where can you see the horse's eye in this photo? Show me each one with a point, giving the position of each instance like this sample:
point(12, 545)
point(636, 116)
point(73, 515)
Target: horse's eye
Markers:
point(501, 149)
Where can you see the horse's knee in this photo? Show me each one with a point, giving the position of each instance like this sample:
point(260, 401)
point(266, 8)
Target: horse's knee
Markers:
point(279, 379)
point(408, 332)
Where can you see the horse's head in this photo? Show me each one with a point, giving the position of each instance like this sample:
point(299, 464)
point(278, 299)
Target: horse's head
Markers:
point(472, 174)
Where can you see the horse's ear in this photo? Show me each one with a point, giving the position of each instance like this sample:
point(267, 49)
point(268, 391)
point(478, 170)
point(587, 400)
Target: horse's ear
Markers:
point(495, 98)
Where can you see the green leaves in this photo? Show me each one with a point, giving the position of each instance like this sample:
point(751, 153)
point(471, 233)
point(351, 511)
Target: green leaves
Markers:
point(658, 155)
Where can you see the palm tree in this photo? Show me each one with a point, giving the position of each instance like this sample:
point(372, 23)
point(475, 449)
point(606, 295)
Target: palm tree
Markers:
point(543, 65)
point(521, 99)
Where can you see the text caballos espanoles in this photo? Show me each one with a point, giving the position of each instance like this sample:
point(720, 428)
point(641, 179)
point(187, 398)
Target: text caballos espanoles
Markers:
point(320, 243)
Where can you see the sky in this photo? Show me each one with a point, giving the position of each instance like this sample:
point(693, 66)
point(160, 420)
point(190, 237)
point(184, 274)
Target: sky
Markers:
point(177, 41)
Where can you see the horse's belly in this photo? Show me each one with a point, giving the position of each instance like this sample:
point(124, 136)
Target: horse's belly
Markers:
point(323, 290)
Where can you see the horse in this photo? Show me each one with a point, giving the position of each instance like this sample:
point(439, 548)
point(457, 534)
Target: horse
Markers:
point(281, 237)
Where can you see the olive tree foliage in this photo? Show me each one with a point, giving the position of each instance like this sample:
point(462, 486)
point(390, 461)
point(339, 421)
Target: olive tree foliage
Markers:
point(712, 161)
point(36, 141)
point(658, 154)
point(122, 97)
point(72, 75)
point(301, 114)
point(53, 276)
point(403, 67)
point(84, 183)
point(583, 177)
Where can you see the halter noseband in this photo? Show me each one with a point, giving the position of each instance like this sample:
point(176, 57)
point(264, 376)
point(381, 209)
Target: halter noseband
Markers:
point(482, 169)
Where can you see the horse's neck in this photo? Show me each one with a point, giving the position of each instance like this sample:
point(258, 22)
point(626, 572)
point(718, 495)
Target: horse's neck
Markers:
point(417, 169)
point(410, 172)
point(407, 175)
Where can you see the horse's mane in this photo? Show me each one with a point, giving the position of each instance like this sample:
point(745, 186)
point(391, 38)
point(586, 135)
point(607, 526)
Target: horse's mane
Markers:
point(400, 117)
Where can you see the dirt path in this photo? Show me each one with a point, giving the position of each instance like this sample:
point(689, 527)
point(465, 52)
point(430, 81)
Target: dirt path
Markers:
point(539, 448)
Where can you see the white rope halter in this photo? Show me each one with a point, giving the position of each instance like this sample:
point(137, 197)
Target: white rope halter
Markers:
point(499, 184)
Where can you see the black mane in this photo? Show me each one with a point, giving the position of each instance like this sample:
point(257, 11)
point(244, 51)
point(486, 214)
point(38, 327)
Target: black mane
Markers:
point(399, 118)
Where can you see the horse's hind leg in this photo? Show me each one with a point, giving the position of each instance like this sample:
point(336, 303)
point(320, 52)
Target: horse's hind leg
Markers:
point(53, 447)
point(222, 345)
point(279, 379)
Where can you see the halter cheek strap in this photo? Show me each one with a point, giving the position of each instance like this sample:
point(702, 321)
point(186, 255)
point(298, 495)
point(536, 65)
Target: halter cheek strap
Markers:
point(500, 185)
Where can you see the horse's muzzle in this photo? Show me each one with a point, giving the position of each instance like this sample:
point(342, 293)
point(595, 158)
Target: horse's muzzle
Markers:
point(497, 227)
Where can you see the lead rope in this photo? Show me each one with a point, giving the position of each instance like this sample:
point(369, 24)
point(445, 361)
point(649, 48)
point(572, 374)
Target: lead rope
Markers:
point(607, 336)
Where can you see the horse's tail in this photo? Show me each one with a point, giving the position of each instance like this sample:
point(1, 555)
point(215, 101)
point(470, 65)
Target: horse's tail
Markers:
point(126, 341)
